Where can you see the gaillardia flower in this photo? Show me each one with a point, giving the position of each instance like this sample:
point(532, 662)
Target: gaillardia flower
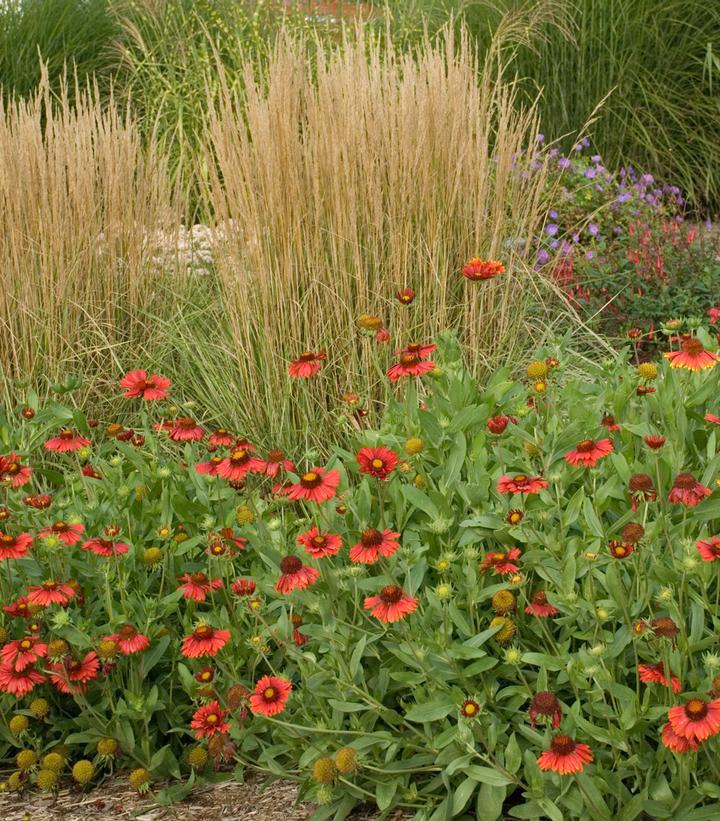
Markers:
point(129, 640)
point(686, 490)
point(480, 269)
point(13, 471)
point(294, 575)
point(545, 704)
point(373, 544)
point(502, 562)
point(270, 696)
point(696, 720)
point(520, 483)
point(138, 384)
point(540, 606)
point(319, 543)
point(565, 756)
point(66, 441)
point(317, 485)
point(196, 586)
point(204, 641)
point(692, 356)
point(588, 452)
point(709, 549)
point(655, 674)
point(378, 462)
point(306, 365)
point(209, 720)
point(391, 604)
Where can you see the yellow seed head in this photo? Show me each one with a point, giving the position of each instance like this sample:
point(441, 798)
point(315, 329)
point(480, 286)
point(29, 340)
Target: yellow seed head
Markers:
point(152, 556)
point(19, 724)
point(107, 649)
point(57, 648)
point(53, 761)
point(503, 602)
point(47, 780)
point(39, 707)
point(107, 747)
point(83, 771)
point(15, 782)
point(324, 771)
point(140, 779)
point(531, 449)
point(419, 482)
point(537, 370)
point(647, 371)
point(197, 758)
point(346, 760)
point(414, 445)
point(507, 630)
point(368, 322)
point(26, 759)
point(244, 516)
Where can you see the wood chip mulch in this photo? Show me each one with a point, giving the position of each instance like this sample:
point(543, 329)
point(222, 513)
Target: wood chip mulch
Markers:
point(255, 800)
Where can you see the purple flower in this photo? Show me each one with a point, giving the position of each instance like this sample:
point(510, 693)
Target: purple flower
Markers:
point(540, 138)
point(551, 229)
point(593, 230)
point(596, 158)
point(553, 214)
point(564, 164)
point(588, 255)
point(590, 173)
point(542, 256)
point(554, 244)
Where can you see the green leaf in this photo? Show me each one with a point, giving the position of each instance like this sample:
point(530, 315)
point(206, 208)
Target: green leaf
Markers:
point(419, 500)
point(463, 794)
point(488, 775)
point(490, 801)
point(384, 794)
point(430, 711)
point(347, 706)
point(592, 521)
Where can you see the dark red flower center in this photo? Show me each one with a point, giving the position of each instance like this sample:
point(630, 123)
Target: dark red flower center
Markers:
point(290, 565)
point(371, 537)
point(391, 594)
point(198, 578)
point(275, 456)
point(50, 586)
point(408, 359)
point(12, 468)
point(562, 745)
point(608, 420)
point(684, 481)
point(239, 456)
point(310, 479)
point(60, 527)
point(106, 543)
point(540, 597)
point(146, 384)
point(693, 346)
point(545, 703)
point(203, 632)
point(696, 709)
point(585, 446)
point(26, 644)
point(269, 693)
point(186, 422)
point(318, 540)
point(127, 632)
point(640, 482)
point(7, 539)
point(306, 356)
point(520, 479)
point(66, 434)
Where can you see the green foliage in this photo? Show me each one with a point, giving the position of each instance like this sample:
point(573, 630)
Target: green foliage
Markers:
point(395, 693)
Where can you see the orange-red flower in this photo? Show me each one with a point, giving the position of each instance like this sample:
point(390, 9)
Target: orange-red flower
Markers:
point(24, 652)
point(480, 269)
point(13, 471)
point(129, 640)
point(392, 604)
point(608, 422)
point(378, 462)
point(243, 587)
point(50, 592)
point(588, 452)
point(211, 467)
point(655, 674)
point(106, 547)
point(709, 549)
point(675, 742)
point(692, 356)
point(687, 491)
point(317, 485)
point(545, 704)
point(696, 720)
point(270, 696)
point(319, 543)
point(497, 424)
point(240, 462)
point(502, 562)
point(209, 720)
point(204, 641)
point(69, 534)
point(405, 296)
point(520, 483)
point(539, 606)
point(619, 549)
point(66, 441)
point(184, 429)
point(221, 438)
point(654, 442)
point(565, 756)
point(275, 460)
point(412, 361)
point(306, 365)
point(71, 675)
point(373, 544)
point(138, 384)
point(19, 682)
point(710, 417)
point(196, 586)
point(14, 547)
point(294, 575)
point(641, 489)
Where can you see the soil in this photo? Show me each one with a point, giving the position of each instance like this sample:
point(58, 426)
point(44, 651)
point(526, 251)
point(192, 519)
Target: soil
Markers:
point(255, 800)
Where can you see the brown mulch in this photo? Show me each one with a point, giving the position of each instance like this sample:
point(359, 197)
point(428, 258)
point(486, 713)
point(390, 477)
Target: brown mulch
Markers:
point(115, 800)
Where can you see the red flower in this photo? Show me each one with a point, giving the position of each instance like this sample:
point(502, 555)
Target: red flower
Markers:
point(209, 720)
point(545, 704)
point(24, 652)
point(392, 604)
point(276, 460)
point(19, 609)
point(677, 743)
point(608, 421)
point(406, 296)
point(211, 467)
point(501, 562)
point(184, 429)
point(382, 336)
point(129, 640)
point(655, 674)
point(319, 543)
point(13, 472)
point(69, 534)
point(196, 586)
point(221, 437)
point(411, 363)
point(692, 356)
point(539, 606)
point(521, 484)
point(709, 549)
point(588, 452)
point(378, 462)
point(497, 424)
point(38, 502)
point(620, 550)
point(479, 269)
point(641, 489)
point(91, 472)
point(687, 491)
point(50, 592)
point(270, 696)
point(239, 464)
point(204, 641)
point(72, 675)
point(137, 384)
point(106, 547)
point(14, 547)
point(316, 486)
point(306, 365)
point(654, 442)
point(696, 720)
point(294, 575)
point(18, 683)
point(66, 441)
point(710, 417)
point(565, 756)
point(421, 349)
point(243, 587)
point(373, 544)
